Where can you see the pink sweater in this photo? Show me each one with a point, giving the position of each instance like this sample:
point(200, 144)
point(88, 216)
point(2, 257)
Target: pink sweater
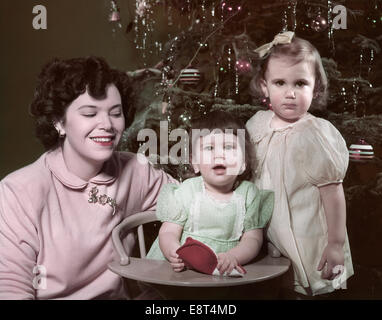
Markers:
point(54, 244)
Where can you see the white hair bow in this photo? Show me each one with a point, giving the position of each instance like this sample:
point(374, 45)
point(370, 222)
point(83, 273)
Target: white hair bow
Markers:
point(281, 38)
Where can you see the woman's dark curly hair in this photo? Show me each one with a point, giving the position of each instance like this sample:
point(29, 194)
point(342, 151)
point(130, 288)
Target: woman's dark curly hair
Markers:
point(62, 80)
point(222, 120)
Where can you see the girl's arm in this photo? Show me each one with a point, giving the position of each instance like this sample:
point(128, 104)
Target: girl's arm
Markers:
point(169, 236)
point(333, 200)
point(247, 249)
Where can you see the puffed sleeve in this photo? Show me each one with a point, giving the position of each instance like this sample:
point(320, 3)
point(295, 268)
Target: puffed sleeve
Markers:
point(169, 205)
point(258, 205)
point(324, 154)
point(147, 182)
point(18, 245)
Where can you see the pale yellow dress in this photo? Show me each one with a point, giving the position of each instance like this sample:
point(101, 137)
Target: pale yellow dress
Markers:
point(294, 161)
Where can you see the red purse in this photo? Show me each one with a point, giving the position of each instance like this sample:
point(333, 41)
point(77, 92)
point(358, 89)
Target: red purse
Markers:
point(200, 257)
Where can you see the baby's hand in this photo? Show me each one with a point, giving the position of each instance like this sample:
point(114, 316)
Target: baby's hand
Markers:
point(227, 262)
point(333, 257)
point(176, 263)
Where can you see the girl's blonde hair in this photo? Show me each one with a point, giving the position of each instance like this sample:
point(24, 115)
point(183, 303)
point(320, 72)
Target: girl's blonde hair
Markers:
point(298, 50)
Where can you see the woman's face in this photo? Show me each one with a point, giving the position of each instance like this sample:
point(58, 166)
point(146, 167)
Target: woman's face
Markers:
point(93, 127)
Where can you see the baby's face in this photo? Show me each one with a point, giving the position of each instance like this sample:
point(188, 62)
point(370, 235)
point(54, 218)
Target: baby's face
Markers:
point(219, 157)
point(290, 87)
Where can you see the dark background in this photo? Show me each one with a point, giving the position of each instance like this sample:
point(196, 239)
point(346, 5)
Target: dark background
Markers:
point(75, 28)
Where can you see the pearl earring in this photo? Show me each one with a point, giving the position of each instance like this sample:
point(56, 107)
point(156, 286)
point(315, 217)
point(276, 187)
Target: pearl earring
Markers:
point(60, 135)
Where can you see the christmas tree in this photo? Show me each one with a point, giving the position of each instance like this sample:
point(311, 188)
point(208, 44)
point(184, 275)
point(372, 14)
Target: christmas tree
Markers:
point(205, 60)
point(198, 56)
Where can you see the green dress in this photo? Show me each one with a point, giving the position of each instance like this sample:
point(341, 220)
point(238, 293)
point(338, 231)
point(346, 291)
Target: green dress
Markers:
point(218, 224)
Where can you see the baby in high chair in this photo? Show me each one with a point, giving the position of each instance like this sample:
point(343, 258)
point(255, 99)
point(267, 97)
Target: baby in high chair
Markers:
point(220, 207)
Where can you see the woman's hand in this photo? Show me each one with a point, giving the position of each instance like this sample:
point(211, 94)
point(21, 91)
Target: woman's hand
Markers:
point(333, 258)
point(227, 262)
point(176, 263)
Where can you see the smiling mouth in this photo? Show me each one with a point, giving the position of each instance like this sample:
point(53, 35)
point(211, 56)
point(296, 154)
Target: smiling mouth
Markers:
point(105, 141)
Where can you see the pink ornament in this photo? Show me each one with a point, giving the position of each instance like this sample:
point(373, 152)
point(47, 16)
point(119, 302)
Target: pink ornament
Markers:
point(114, 16)
point(243, 66)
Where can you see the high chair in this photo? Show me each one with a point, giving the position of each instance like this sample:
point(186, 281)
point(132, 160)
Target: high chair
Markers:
point(160, 274)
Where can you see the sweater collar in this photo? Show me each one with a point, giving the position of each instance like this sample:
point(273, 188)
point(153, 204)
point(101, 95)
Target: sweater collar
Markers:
point(56, 163)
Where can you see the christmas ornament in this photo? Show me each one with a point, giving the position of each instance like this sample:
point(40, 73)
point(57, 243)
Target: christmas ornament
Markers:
point(361, 151)
point(319, 23)
point(228, 8)
point(189, 76)
point(243, 66)
point(114, 16)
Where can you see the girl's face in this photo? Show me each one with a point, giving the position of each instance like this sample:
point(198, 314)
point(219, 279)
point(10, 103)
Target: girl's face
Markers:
point(93, 127)
point(219, 158)
point(290, 88)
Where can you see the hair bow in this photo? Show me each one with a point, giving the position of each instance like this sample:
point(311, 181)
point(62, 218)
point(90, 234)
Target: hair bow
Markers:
point(281, 38)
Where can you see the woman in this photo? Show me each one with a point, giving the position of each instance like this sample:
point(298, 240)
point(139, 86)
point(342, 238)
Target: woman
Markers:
point(57, 214)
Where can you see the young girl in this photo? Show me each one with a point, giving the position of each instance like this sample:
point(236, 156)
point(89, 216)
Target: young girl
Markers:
point(304, 160)
point(218, 208)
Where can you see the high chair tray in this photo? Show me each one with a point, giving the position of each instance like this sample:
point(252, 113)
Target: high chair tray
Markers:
point(160, 272)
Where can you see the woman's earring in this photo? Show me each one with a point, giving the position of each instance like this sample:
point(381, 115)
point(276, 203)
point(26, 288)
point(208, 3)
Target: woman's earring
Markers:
point(60, 135)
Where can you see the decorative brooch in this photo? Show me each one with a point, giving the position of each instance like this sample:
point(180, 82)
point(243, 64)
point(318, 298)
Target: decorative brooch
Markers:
point(102, 199)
